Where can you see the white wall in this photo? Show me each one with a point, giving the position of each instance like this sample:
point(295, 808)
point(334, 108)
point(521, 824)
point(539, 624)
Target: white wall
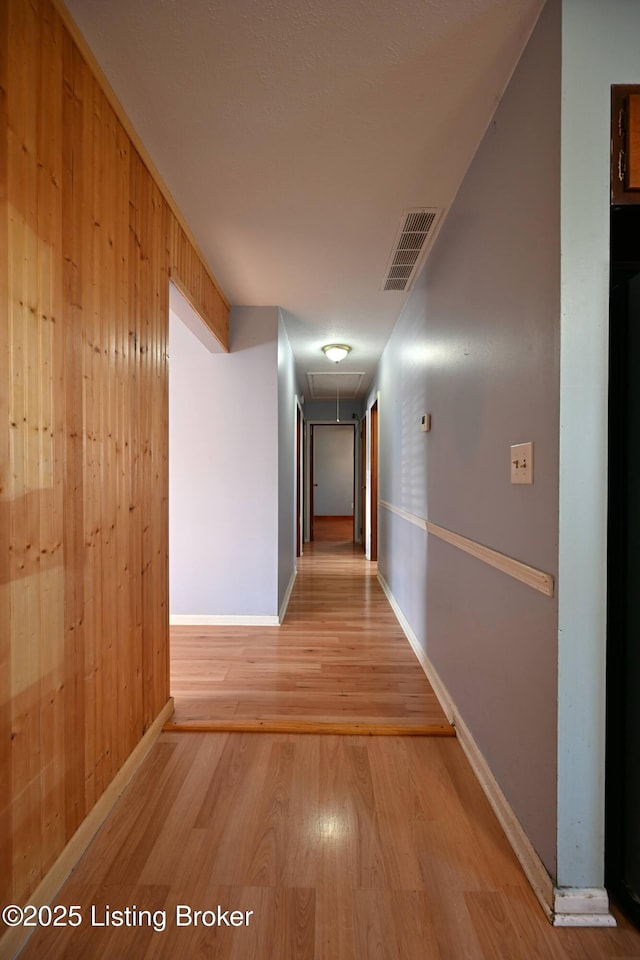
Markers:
point(600, 47)
point(223, 469)
point(287, 390)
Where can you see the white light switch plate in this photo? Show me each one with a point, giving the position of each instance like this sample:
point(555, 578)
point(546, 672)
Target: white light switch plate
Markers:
point(522, 463)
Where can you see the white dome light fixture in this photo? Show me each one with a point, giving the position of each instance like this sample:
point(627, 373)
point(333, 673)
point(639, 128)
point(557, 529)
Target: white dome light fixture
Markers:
point(336, 351)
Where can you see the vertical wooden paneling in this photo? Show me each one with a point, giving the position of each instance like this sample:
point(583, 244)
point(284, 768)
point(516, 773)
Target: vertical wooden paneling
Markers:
point(88, 243)
point(6, 567)
point(191, 277)
point(49, 151)
point(76, 264)
point(23, 318)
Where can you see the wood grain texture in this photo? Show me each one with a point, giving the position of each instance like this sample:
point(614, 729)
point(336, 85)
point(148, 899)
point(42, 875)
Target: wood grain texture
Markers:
point(198, 288)
point(537, 579)
point(87, 246)
point(530, 576)
point(633, 142)
point(345, 728)
point(348, 848)
point(332, 528)
point(340, 662)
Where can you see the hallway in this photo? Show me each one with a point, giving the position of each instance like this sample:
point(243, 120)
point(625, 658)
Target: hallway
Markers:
point(329, 847)
point(339, 662)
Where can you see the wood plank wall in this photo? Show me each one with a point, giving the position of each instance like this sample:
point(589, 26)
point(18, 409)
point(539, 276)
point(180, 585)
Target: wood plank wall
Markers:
point(88, 242)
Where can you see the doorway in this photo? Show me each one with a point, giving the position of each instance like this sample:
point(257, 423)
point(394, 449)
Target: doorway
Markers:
point(622, 860)
point(299, 475)
point(332, 493)
point(373, 474)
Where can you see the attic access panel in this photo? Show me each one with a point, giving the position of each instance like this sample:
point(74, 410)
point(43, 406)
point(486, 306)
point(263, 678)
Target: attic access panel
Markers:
point(325, 386)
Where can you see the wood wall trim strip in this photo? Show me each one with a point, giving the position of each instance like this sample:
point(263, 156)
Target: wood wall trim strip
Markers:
point(121, 114)
point(14, 939)
point(326, 727)
point(536, 579)
point(409, 517)
point(533, 867)
point(223, 620)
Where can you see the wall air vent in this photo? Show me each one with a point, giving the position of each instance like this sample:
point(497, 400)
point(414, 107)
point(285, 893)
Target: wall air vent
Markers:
point(413, 239)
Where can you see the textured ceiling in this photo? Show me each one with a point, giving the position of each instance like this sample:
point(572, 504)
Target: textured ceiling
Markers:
point(293, 134)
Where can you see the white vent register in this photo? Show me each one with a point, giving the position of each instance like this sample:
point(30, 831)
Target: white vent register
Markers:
point(413, 239)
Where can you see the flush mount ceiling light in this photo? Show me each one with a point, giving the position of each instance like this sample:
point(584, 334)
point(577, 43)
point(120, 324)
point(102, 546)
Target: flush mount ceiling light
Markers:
point(336, 351)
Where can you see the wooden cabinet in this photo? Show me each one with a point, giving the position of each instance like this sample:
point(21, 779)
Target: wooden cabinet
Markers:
point(625, 144)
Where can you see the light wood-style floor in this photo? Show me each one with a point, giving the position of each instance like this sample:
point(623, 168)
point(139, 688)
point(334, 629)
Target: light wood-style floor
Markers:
point(339, 662)
point(334, 847)
point(344, 848)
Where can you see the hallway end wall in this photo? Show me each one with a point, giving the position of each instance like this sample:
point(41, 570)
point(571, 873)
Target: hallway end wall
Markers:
point(477, 347)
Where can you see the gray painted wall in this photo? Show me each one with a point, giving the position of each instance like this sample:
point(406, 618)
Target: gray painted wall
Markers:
point(223, 469)
point(478, 347)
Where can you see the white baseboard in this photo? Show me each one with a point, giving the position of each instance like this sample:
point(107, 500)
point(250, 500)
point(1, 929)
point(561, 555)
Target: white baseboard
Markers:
point(438, 687)
point(235, 619)
point(223, 620)
point(14, 939)
point(581, 907)
point(563, 907)
point(287, 597)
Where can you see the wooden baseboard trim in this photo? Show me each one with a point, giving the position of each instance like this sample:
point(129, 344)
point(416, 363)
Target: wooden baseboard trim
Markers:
point(336, 727)
point(14, 940)
point(533, 867)
point(438, 688)
point(223, 620)
point(287, 596)
point(530, 576)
